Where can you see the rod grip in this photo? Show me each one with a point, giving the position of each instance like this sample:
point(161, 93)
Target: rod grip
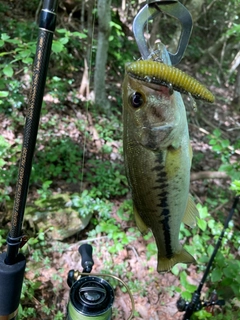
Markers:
point(85, 251)
point(11, 279)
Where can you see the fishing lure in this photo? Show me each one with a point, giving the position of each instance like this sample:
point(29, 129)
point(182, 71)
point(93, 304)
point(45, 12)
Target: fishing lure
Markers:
point(163, 74)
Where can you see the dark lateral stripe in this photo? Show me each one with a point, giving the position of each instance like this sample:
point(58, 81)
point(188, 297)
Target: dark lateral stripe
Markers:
point(166, 231)
point(158, 168)
point(162, 184)
point(161, 180)
point(163, 204)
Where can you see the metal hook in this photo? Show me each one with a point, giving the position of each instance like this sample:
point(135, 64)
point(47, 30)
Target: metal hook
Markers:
point(172, 8)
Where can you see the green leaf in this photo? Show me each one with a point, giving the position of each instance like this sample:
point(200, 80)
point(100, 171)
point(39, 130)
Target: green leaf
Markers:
point(1, 43)
point(2, 162)
point(225, 143)
point(235, 186)
point(203, 211)
point(216, 275)
point(210, 250)
point(202, 224)
point(5, 36)
point(61, 30)
point(24, 53)
point(175, 270)
point(228, 272)
point(226, 167)
point(8, 71)
point(4, 94)
point(27, 60)
point(217, 148)
point(217, 133)
point(57, 46)
point(79, 34)
point(64, 40)
point(213, 141)
point(186, 295)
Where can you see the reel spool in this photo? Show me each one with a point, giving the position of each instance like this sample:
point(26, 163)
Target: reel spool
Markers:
point(90, 297)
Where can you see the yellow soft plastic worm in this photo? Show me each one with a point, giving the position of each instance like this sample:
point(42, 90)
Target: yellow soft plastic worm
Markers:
point(163, 74)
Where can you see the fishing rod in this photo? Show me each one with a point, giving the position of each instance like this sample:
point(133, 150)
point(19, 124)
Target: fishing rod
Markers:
point(90, 295)
point(13, 263)
point(196, 304)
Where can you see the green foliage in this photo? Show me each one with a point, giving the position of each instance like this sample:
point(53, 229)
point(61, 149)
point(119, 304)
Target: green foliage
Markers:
point(44, 191)
point(37, 250)
point(225, 151)
point(60, 158)
point(234, 31)
point(235, 186)
point(120, 48)
point(15, 54)
point(8, 168)
point(88, 203)
point(109, 129)
point(67, 38)
point(224, 266)
point(107, 178)
point(108, 226)
point(3, 236)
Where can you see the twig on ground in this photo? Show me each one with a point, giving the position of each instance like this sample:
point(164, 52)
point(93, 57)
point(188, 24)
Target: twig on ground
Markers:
point(208, 175)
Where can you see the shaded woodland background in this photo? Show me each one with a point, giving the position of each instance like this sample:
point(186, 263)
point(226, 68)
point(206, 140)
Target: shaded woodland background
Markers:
point(78, 190)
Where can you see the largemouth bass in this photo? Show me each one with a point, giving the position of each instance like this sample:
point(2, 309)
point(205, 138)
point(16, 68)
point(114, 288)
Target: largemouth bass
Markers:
point(157, 156)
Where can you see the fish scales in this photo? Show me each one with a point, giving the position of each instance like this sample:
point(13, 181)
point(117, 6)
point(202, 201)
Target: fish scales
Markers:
point(157, 158)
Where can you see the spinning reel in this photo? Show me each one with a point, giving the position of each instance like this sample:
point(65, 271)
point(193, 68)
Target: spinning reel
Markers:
point(90, 295)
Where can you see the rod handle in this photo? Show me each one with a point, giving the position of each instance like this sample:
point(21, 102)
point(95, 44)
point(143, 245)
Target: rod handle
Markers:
point(85, 251)
point(11, 279)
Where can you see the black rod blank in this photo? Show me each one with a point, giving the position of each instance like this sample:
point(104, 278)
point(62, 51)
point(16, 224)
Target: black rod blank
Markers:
point(46, 28)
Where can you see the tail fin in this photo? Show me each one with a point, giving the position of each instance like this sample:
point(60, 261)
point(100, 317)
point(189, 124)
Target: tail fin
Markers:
point(165, 264)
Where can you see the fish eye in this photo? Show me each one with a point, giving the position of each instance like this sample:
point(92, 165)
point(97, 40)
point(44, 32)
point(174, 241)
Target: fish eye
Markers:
point(136, 100)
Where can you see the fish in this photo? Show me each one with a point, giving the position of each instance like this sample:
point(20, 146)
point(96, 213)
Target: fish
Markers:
point(157, 158)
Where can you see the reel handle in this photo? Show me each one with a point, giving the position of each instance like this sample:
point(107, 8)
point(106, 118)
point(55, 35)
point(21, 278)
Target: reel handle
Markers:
point(85, 251)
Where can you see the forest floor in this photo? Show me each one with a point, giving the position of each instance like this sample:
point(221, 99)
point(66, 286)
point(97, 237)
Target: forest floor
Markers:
point(155, 298)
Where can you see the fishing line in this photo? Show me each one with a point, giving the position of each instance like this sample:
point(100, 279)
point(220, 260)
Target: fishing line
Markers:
point(147, 30)
point(88, 101)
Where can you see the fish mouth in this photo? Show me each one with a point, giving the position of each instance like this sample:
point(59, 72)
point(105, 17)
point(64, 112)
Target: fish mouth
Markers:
point(159, 126)
point(163, 87)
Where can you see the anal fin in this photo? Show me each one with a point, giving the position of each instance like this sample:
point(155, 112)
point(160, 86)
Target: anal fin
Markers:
point(191, 213)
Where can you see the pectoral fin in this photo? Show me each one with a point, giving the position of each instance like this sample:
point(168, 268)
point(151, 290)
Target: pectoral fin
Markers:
point(191, 213)
point(140, 224)
point(190, 152)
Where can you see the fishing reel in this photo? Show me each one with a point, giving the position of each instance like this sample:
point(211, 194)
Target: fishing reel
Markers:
point(196, 304)
point(90, 295)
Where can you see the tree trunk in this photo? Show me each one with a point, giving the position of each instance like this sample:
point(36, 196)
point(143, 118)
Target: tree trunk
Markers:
point(236, 99)
point(104, 18)
point(90, 23)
